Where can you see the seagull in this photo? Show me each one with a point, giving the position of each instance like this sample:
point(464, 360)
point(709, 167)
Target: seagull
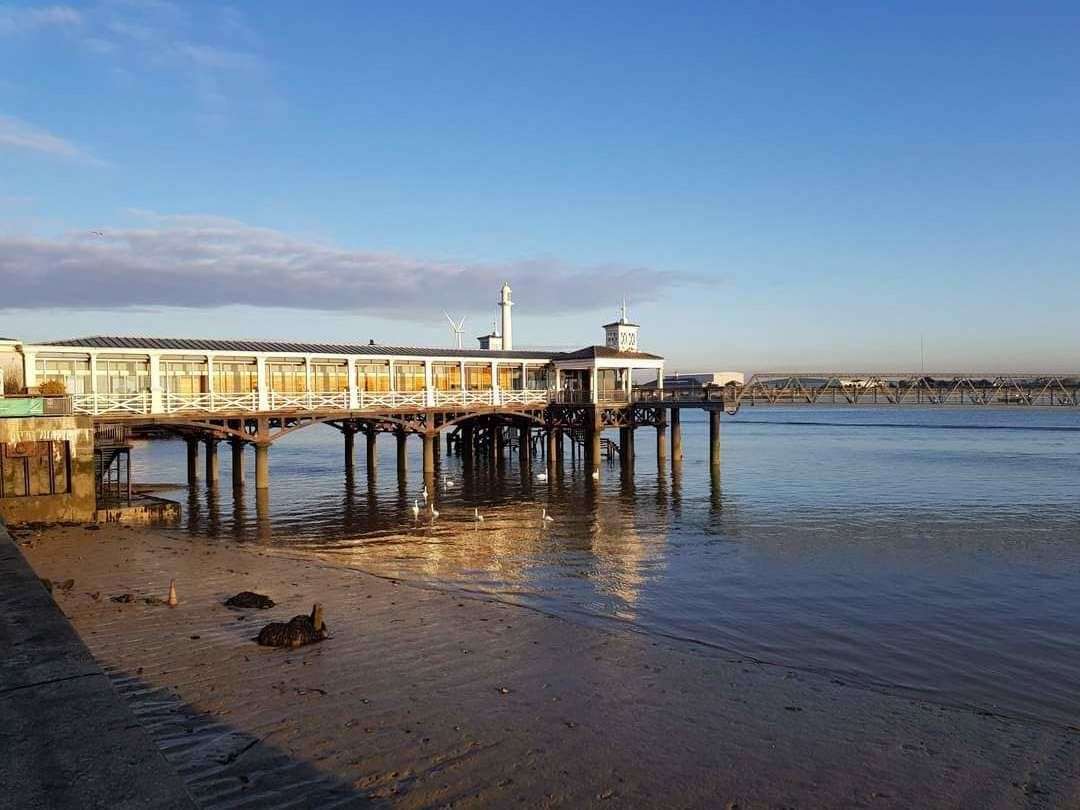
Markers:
point(477, 516)
point(541, 476)
point(446, 482)
point(98, 234)
point(424, 493)
point(596, 475)
point(545, 518)
point(434, 512)
point(415, 510)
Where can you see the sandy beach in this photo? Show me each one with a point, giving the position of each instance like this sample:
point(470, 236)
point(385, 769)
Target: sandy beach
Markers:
point(428, 698)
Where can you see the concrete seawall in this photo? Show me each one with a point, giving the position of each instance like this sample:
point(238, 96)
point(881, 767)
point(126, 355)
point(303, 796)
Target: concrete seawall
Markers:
point(67, 737)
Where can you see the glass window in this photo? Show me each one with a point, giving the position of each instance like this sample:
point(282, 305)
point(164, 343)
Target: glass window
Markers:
point(510, 378)
point(287, 378)
point(536, 378)
point(73, 373)
point(478, 376)
point(408, 376)
point(373, 376)
point(123, 375)
point(185, 376)
point(235, 376)
point(446, 376)
point(331, 378)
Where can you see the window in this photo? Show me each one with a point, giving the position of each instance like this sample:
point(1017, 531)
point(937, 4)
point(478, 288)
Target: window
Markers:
point(235, 376)
point(185, 376)
point(287, 378)
point(478, 376)
point(34, 468)
point(331, 378)
point(446, 376)
point(73, 372)
point(536, 378)
point(121, 375)
point(373, 376)
point(510, 378)
point(408, 376)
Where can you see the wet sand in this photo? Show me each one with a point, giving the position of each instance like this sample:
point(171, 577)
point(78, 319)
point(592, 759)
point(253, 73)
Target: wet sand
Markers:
point(425, 698)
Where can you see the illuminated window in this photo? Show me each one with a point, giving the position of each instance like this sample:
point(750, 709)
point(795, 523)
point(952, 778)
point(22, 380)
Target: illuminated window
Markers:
point(73, 373)
point(478, 376)
point(185, 376)
point(240, 376)
point(408, 376)
point(510, 378)
point(123, 375)
point(536, 378)
point(287, 377)
point(446, 376)
point(373, 376)
point(331, 378)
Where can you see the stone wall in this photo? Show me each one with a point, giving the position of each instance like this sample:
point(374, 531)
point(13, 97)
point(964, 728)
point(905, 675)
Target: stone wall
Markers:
point(70, 474)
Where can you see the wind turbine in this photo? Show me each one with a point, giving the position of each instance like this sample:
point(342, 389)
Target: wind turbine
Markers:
point(456, 327)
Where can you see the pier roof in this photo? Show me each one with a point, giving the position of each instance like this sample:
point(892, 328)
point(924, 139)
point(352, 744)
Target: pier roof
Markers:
point(279, 347)
point(605, 352)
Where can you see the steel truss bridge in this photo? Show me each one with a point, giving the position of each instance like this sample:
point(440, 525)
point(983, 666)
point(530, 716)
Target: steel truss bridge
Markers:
point(882, 390)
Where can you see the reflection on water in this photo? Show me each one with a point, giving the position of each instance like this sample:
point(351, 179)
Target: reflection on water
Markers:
point(932, 551)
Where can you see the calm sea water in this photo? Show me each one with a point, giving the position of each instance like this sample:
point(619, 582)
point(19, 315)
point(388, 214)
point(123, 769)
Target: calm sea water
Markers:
point(934, 553)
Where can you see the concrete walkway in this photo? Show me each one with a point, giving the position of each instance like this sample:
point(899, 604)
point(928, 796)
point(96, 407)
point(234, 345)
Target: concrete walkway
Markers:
point(67, 738)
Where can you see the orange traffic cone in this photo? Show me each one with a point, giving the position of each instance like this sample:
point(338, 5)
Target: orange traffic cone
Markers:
point(172, 600)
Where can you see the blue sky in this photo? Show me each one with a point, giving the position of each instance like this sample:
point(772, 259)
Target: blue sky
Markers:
point(796, 185)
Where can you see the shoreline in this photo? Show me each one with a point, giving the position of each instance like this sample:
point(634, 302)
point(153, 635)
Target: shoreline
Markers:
point(404, 704)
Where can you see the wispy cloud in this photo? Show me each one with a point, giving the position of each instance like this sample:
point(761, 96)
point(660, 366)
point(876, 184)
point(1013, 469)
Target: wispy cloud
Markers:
point(18, 20)
point(201, 262)
point(17, 134)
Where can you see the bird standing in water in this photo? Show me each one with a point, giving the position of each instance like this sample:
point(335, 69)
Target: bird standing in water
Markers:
point(415, 511)
point(477, 516)
point(545, 518)
point(434, 512)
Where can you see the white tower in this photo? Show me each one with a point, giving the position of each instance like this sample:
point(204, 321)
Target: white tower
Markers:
point(622, 335)
point(504, 307)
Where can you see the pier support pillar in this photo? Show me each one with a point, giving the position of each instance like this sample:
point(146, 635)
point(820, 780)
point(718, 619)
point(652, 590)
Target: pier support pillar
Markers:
point(661, 445)
point(237, 464)
point(714, 438)
point(676, 436)
point(350, 447)
point(402, 463)
point(192, 461)
point(372, 453)
point(212, 467)
point(466, 439)
point(594, 449)
point(552, 452)
point(430, 440)
point(524, 445)
point(262, 466)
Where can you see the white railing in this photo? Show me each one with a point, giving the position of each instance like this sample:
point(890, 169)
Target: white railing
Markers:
point(464, 397)
point(142, 403)
point(173, 403)
point(111, 403)
point(392, 399)
point(308, 400)
point(527, 397)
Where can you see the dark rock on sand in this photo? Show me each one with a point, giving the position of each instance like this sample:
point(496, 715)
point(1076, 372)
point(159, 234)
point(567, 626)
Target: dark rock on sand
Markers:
point(250, 599)
point(123, 598)
point(297, 632)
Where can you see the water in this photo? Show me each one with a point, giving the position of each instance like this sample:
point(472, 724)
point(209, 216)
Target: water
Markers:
point(934, 553)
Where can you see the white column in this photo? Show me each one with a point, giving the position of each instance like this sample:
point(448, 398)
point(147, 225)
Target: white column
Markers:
point(354, 393)
point(210, 386)
point(594, 381)
point(463, 376)
point(628, 374)
point(660, 379)
point(393, 382)
point(93, 373)
point(29, 369)
point(262, 381)
point(309, 380)
point(157, 404)
point(495, 398)
point(524, 376)
point(429, 389)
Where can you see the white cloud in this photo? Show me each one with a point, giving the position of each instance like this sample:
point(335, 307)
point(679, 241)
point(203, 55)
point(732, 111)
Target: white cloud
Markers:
point(17, 20)
point(17, 134)
point(207, 262)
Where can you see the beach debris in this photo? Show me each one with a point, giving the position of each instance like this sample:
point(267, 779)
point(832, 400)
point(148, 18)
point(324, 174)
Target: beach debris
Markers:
point(47, 583)
point(296, 632)
point(92, 527)
point(448, 483)
point(154, 600)
point(123, 598)
point(172, 600)
point(250, 599)
point(66, 585)
point(96, 595)
point(503, 690)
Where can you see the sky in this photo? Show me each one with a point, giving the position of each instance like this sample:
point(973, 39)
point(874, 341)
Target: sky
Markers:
point(770, 185)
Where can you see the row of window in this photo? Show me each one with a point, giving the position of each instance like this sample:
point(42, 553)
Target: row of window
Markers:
point(120, 376)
